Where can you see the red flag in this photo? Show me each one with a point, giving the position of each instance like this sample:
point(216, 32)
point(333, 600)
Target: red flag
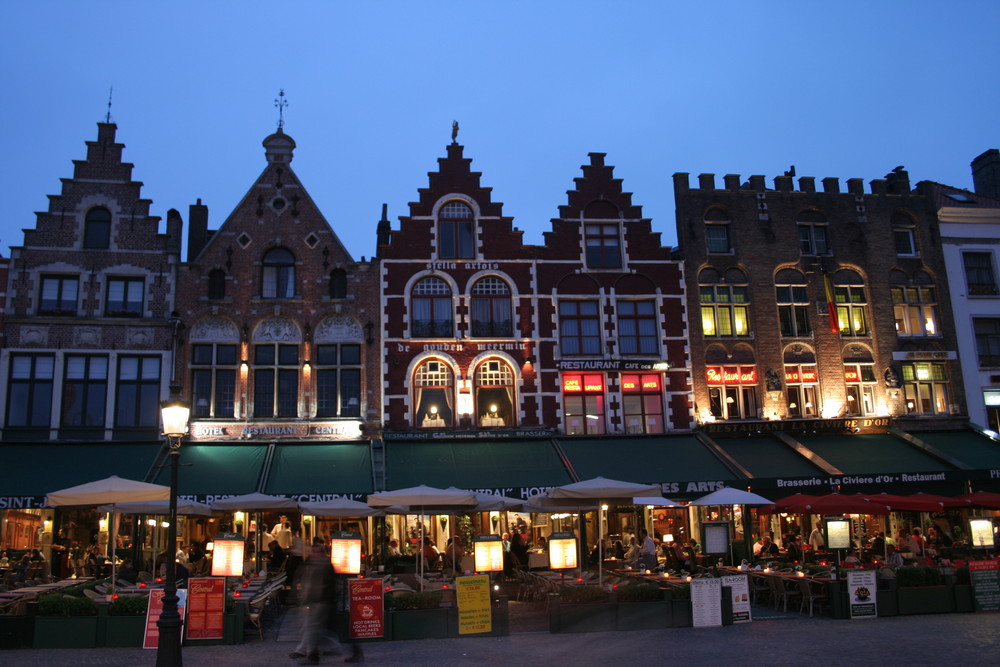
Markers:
point(831, 306)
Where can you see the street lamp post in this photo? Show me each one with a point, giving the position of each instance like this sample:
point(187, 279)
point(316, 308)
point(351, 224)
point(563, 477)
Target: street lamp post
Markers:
point(174, 413)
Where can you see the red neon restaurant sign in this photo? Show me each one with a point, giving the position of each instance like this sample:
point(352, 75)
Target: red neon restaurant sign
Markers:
point(731, 375)
point(583, 383)
point(635, 384)
point(796, 377)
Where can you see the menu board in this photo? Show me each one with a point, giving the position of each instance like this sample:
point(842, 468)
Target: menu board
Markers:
point(715, 537)
point(838, 533)
point(206, 608)
point(151, 637)
point(981, 533)
point(367, 608)
point(985, 584)
point(474, 613)
point(862, 589)
point(706, 602)
point(741, 596)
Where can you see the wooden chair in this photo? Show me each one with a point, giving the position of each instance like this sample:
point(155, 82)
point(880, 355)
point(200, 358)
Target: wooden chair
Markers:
point(812, 593)
point(759, 588)
point(789, 591)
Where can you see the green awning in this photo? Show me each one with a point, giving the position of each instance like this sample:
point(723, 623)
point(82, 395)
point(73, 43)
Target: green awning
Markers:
point(872, 454)
point(681, 460)
point(30, 471)
point(517, 468)
point(317, 471)
point(766, 458)
point(969, 447)
point(211, 472)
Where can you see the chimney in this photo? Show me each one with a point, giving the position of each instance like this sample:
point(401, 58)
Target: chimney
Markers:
point(197, 229)
point(175, 232)
point(986, 174)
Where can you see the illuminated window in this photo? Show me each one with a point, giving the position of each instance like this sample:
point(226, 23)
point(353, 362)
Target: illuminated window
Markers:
point(732, 391)
point(914, 310)
point(434, 395)
point(276, 380)
point(603, 246)
point(851, 310)
point(338, 380)
point(860, 380)
point(213, 380)
point(432, 316)
point(925, 388)
point(725, 310)
point(278, 274)
point(583, 404)
point(491, 308)
point(579, 328)
point(642, 402)
point(494, 391)
point(801, 385)
point(455, 230)
point(637, 327)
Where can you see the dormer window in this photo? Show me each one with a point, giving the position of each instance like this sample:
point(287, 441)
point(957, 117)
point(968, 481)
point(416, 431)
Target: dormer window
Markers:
point(278, 277)
point(97, 229)
point(455, 231)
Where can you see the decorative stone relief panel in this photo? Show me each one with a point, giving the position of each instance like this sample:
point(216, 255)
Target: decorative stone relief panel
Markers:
point(338, 328)
point(34, 335)
point(277, 330)
point(214, 329)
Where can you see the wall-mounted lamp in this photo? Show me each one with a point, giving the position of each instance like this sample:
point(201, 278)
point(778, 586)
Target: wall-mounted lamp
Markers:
point(244, 364)
point(529, 361)
point(306, 365)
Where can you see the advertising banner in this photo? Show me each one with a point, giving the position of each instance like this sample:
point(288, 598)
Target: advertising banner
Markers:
point(474, 613)
point(741, 596)
point(985, 584)
point(151, 637)
point(861, 590)
point(206, 607)
point(367, 608)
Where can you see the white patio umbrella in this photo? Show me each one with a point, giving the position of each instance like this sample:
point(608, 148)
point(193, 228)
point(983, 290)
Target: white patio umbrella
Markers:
point(161, 507)
point(422, 498)
point(653, 501)
point(257, 502)
point(340, 507)
point(600, 489)
point(731, 496)
point(109, 491)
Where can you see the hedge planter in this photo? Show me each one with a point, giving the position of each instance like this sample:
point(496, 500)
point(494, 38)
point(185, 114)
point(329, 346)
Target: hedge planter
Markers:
point(645, 615)
point(963, 599)
point(419, 623)
point(124, 631)
point(580, 616)
point(65, 632)
point(926, 600)
point(15, 630)
point(681, 613)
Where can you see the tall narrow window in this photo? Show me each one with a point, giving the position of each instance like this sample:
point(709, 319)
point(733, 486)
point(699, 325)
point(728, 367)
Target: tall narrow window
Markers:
point(801, 390)
point(987, 330)
point(433, 315)
point(138, 401)
point(914, 307)
point(455, 229)
point(338, 284)
point(276, 380)
point(29, 390)
point(642, 403)
point(637, 327)
point(85, 389)
point(583, 404)
point(491, 308)
point(97, 229)
point(278, 275)
point(580, 328)
point(124, 297)
point(717, 231)
point(851, 312)
point(603, 246)
point(860, 380)
point(338, 380)
point(793, 303)
point(925, 387)
point(812, 233)
point(216, 284)
point(434, 395)
point(213, 380)
point(494, 394)
point(59, 295)
point(979, 275)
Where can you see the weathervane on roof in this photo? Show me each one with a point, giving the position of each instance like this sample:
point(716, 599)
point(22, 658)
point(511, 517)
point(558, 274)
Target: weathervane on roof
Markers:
point(107, 118)
point(280, 102)
point(454, 131)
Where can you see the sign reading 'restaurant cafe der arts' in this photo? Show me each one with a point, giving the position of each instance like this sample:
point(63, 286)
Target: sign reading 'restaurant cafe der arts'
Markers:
point(342, 429)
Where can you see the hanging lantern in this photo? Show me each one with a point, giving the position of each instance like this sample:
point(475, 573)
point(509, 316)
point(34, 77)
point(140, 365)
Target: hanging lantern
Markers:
point(227, 555)
point(488, 553)
point(562, 551)
point(345, 552)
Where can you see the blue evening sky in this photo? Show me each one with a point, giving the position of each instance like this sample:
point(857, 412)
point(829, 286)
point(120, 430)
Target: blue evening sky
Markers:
point(847, 89)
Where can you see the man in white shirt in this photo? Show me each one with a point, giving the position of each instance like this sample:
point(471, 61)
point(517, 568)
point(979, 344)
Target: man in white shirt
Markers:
point(816, 540)
point(282, 533)
point(647, 551)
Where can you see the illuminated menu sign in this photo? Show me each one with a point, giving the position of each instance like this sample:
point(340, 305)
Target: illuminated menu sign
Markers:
point(637, 384)
point(731, 375)
point(583, 383)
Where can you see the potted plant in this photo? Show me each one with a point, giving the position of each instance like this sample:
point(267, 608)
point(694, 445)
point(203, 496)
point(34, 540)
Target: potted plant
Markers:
point(921, 591)
point(65, 621)
point(126, 620)
point(680, 603)
point(642, 606)
point(417, 615)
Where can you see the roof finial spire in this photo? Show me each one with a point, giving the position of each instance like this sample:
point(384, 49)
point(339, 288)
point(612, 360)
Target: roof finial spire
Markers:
point(454, 131)
point(107, 118)
point(280, 102)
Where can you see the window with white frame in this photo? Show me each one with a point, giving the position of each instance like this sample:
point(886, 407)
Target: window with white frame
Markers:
point(793, 303)
point(914, 309)
point(603, 245)
point(717, 231)
point(979, 274)
point(812, 226)
point(491, 308)
point(579, 328)
point(637, 327)
point(338, 380)
point(494, 393)
point(642, 402)
point(583, 404)
point(456, 225)
point(59, 295)
point(432, 312)
point(278, 274)
point(434, 395)
point(851, 302)
point(987, 332)
point(925, 388)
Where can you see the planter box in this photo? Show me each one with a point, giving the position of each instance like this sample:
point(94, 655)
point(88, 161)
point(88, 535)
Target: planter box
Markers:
point(644, 615)
point(65, 632)
point(926, 600)
point(681, 614)
point(888, 598)
point(586, 617)
point(419, 623)
point(15, 631)
point(963, 599)
point(124, 630)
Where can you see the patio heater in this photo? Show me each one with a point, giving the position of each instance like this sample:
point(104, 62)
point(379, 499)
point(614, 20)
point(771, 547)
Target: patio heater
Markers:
point(175, 414)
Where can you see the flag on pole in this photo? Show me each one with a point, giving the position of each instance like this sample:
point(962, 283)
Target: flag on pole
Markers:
point(831, 305)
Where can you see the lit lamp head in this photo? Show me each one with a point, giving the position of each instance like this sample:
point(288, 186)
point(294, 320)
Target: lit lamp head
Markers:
point(434, 411)
point(345, 552)
point(562, 551)
point(488, 553)
point(227, 555)
point(175, 413)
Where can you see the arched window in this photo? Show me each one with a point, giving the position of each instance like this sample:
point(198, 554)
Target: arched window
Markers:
point(338, 284)
point(432, 314)
point(97, 228)
point(494, 394)
point(801, 382)
point(216, 284)
point(859, 376)
point(491, 311)
point(852, 304)
point(732, 382)
point(434, 395)
point(455, 231)
point(278, 277)
point(725, 307)
point(914, 304)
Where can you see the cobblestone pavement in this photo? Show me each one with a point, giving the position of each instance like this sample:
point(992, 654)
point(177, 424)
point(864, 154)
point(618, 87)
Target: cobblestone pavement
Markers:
point(968, 639)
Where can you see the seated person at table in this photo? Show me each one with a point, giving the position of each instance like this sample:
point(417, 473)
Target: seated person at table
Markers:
point(4, 561)
point(19, 572)
point(126, 571)
point(632, 555)
point(181, 574)
point(392, 550)
point(519, 549)
point(768, 549)
point(618, 550)
point(793, 549)
point(453, 553)
point(852, 559)
point(541, 545)
point(647, 551)
point(95, 561)
point(878, 545)
point(276, 557)
point(938, 539)
point(894, 560)
point(757, 546)
point(430, 554)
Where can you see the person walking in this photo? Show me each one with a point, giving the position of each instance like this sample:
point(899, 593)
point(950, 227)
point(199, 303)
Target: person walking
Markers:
point(316, 581)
